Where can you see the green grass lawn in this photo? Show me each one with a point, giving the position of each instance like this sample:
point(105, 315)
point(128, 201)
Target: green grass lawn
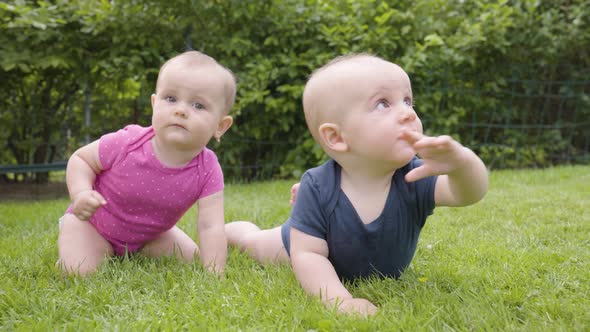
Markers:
point(518, 260)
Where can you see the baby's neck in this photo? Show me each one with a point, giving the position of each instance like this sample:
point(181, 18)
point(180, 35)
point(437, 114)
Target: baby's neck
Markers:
point(172, 157)
point(367, 193)
point(366, 180)
point(365, 173)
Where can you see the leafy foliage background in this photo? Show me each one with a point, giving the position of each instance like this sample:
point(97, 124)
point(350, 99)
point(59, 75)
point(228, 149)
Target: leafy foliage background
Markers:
point(510, 79)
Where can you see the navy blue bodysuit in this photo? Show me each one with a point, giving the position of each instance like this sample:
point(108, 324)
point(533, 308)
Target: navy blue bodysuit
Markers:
point(386, 246)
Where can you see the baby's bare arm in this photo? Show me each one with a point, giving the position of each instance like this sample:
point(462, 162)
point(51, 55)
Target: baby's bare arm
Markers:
point(294, 190)
point(309, 258)
point(211, 228)
point(463, 177)
point(83, 166)
point(465, 185)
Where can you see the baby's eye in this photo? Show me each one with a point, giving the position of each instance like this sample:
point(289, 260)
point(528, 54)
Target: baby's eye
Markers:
point(198, 106)
point(408, 101)
point(170, 99)
point(382, 104)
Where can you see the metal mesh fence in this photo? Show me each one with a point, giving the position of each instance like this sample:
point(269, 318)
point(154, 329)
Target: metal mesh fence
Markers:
point(520, 121)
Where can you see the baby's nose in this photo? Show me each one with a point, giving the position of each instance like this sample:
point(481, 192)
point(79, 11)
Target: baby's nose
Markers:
point(408, 114)
point(181, 110)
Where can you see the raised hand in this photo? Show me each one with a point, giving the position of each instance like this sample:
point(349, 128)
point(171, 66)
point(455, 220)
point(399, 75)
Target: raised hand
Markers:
point(440, 154)
point(86, 203)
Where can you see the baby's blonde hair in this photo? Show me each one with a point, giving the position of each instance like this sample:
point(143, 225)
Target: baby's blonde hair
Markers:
point(196, 58)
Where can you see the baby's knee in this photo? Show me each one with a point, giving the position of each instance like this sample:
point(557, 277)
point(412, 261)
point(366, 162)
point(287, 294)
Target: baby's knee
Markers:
point(188, 252)
point(235, 231)
point(259, 246)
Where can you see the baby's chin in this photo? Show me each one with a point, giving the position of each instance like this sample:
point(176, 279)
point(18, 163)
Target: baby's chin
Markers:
point(399, 159)
point(406, 155)
point(405, 149)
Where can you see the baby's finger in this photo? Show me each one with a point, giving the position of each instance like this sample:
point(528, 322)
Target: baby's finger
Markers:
point(98, 197)
point(411, 136)
point(440, 142)
point(83, 215)
point(358, 306)
point(418, 173)
point(92, 204)
point(435, 142)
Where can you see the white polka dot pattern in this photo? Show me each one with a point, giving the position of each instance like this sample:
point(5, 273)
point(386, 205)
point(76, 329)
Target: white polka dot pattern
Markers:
point(144, 197)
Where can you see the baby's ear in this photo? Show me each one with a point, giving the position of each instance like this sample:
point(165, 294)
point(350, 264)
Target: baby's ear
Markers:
point(331, 136)
point(153, 99)
point(223, 126)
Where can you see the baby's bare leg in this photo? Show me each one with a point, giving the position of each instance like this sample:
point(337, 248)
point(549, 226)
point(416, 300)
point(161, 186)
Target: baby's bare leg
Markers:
point(81, 248)
point(173, 242)
point(265, 246)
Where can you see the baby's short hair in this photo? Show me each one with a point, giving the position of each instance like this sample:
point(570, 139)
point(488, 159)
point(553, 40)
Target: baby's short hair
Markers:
point(343, 58)
point(312, 116)
point(196, 58)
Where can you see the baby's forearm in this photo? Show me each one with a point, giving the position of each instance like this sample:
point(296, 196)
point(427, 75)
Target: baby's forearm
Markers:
point(469, 183)
point(318, 277)
point(213, 251)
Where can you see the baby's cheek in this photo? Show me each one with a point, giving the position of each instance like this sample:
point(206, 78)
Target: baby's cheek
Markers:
point(419, 126)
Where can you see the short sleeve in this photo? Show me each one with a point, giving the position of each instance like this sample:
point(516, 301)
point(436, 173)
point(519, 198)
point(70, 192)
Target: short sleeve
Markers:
point(112, 145)
point(307, 215)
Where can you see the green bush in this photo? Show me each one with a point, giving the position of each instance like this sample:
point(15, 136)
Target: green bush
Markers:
point(509, 79)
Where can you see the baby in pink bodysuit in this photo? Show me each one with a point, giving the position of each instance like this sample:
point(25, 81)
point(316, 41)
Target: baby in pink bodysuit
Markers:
point(129, 188)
